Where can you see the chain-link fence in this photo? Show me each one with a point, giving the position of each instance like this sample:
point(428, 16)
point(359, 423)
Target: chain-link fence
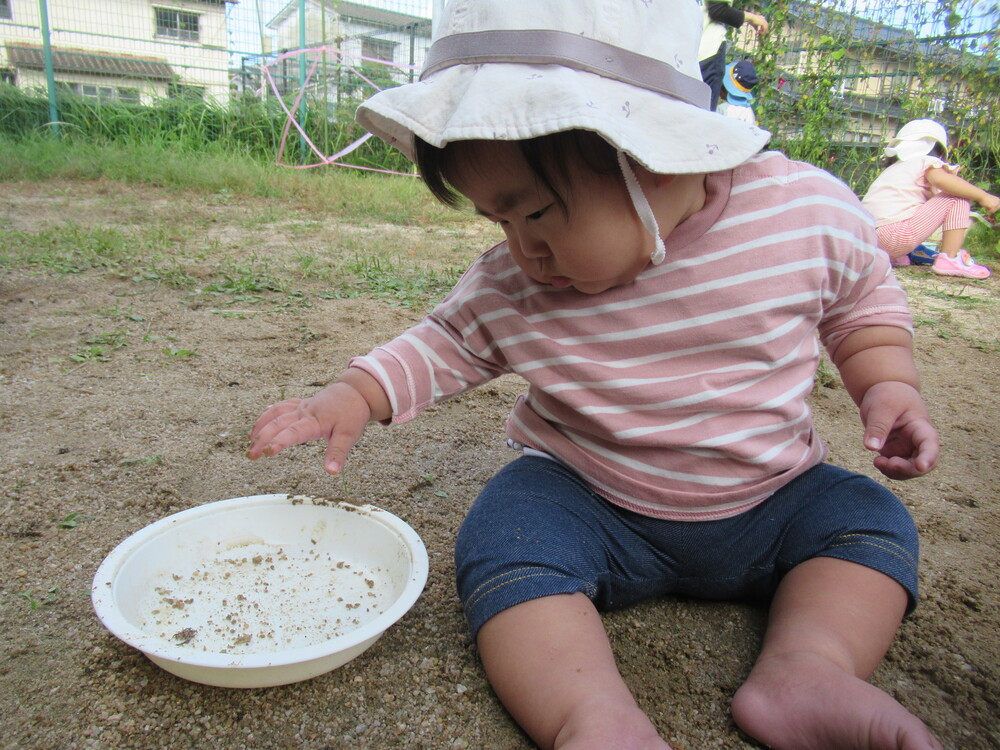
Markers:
point(839, 77)
point(121, 51)
point(836, 76)
point(351, 47)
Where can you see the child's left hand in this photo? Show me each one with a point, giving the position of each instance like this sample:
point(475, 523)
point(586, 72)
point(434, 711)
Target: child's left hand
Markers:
point(898, 426)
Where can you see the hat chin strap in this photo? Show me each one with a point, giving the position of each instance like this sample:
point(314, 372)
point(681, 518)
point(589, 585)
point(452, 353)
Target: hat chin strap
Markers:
point(643, 209)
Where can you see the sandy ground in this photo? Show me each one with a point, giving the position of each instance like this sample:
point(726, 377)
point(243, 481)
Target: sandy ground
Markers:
point(147, 430)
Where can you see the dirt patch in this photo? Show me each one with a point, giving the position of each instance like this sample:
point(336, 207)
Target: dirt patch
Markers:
point(93, 448)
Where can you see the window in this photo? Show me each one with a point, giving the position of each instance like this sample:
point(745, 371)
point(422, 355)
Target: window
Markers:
point(851, 76)
point(176, 24)
point(7, 75)
point(378, 49)
point(101, 94)
point(5, 10)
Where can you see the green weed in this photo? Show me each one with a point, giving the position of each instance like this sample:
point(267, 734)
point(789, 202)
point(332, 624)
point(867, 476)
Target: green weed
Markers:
point(37, 600)
point(66, 250)
point(983, 241)
point(73, 520)
point(91, 354)
point(958, 297)
point(407, 286)
point(826, 374)
point(98, 348)
point(240, 280)
point(171, 353)
point(175, 276)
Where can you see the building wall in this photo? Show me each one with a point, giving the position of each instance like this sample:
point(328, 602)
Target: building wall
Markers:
point(871, 80)
point(346, 35)
point(125, 28)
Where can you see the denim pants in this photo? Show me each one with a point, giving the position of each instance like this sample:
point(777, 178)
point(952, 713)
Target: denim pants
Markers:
point(537, 530)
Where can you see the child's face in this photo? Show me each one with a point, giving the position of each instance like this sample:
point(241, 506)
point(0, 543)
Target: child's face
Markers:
point(598, 244)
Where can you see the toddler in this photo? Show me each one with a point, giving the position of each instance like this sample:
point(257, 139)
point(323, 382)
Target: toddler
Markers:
point(737, 91)
point(918, 194)
point(718, 16)
point(660, 289)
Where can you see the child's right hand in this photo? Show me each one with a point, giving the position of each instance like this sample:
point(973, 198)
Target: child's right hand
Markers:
point(339, 413)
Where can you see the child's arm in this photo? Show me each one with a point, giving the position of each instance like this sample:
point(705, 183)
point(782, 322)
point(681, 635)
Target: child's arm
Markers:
point(724, 12)
point(339, 413)
point(758, 21)
point(946, 182)
point(876, 365)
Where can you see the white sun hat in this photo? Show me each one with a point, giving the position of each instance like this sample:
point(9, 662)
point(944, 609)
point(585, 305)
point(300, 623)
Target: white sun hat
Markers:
point(916, 138)
point(518, 69)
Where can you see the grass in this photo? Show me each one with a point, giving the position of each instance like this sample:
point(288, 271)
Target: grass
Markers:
point(334, 233)
point(181, 255)
point(385, 279)
point(219, 282)
point(983, 242)
point(347, 193)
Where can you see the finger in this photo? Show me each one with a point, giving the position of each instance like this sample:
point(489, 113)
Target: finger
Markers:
point(269, 425)
point(340, 444)
point(877, 429)
point(284, 431)
point(896, 467)
point(300, 430)
point(928, 443)
point(270, 413)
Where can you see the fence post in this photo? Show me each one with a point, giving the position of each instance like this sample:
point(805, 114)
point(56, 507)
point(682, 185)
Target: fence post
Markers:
point(303, 147)
point(413, 50)
point(50, 76)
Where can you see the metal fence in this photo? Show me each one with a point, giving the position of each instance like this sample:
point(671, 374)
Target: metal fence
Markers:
point(837, 76)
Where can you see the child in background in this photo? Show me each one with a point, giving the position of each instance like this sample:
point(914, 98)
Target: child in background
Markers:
point(660, 289)
point(918, 194)
point(737, 99)
point(717, 15)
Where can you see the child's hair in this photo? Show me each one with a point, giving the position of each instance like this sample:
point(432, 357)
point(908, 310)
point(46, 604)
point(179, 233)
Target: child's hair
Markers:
point(939, 151)
point(548, 157)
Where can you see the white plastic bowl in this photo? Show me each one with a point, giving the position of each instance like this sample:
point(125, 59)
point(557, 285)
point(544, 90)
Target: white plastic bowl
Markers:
point(260, 591)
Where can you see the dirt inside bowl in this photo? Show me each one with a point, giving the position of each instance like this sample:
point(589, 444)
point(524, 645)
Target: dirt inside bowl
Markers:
point(259, 598)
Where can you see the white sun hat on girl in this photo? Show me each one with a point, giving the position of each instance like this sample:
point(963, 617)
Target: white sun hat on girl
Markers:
point(518, 69)
point(917, 138)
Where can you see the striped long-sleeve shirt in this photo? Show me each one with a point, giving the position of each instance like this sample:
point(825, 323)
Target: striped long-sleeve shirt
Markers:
point(681, 394)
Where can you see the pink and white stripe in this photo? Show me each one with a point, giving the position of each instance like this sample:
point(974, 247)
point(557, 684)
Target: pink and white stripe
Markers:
point(682, 394)
point(942, 211)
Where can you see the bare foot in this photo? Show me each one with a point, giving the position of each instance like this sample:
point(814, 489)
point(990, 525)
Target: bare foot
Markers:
point(805, 702)
point(603, 727)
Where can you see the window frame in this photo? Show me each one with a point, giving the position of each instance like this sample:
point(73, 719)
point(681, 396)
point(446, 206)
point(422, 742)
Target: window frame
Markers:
point(176, 29)
point(378, 46)
point(102, 94)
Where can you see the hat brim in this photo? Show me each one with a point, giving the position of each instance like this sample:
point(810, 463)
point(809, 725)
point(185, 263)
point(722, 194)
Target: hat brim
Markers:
point(910, 149)
point(738, 96)
point(514, 101)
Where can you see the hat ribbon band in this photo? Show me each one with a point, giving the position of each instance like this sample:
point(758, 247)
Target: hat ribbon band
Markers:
point(551, 47)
